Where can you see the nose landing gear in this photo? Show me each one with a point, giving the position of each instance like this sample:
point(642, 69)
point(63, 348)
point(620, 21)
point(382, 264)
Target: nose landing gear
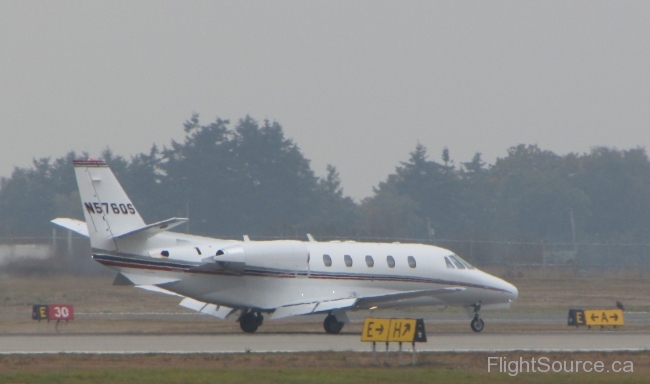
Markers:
point(477, 323)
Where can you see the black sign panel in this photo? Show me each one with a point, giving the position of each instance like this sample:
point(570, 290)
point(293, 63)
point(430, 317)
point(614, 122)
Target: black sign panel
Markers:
point(420, 333)
point(40, 312)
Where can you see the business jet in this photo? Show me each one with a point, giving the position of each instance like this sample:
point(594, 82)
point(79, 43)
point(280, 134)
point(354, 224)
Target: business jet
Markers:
point(280, 278)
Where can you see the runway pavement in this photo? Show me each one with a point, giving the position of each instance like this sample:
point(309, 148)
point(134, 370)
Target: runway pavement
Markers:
point(311, 342)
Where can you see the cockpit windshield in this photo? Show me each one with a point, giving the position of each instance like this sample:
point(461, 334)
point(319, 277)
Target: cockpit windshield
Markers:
point(457, 262)
point(460, 263)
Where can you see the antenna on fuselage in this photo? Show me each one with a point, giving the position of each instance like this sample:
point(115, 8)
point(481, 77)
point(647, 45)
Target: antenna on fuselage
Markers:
point(311, 238)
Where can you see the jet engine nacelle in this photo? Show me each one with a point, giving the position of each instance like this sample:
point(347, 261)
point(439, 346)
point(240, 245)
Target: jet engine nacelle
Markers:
point(277, 255)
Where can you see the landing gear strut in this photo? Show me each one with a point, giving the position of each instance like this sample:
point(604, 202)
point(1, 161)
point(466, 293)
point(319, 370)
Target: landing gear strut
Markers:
point(477, 323)
point(250, 321)
point(332, 325)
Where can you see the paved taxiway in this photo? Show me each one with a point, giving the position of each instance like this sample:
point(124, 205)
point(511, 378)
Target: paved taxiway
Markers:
point(292, 342)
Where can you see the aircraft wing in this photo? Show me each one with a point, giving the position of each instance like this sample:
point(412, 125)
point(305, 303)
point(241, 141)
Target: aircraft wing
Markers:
point(74, 225)
point(316, 306)
point(369, 301)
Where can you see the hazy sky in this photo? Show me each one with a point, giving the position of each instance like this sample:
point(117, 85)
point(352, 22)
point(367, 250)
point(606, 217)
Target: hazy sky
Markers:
point(355, 83)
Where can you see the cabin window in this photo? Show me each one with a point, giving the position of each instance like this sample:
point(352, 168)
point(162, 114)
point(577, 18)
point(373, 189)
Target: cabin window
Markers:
point(411, 260)
point(390, 261)
point(449, 264)
point(369, 261)
point(348, 260)
point(327, 260)
point(164, 253)
point(465, 263)
point(457, 262)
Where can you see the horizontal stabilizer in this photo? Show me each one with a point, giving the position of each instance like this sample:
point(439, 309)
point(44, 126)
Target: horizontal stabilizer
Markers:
point(74, 225)
point(153, 229)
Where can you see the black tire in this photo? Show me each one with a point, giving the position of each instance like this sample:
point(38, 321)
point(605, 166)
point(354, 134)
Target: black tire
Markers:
point(248, 322)
point(332, 325)
point(477, 324)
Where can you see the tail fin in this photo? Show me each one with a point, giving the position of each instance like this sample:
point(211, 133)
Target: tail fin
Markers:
point(108, 210)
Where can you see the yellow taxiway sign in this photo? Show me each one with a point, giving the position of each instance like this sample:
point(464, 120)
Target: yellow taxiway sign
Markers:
point(604, 317)
point(375, 329)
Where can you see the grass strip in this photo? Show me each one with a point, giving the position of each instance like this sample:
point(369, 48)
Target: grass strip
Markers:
point(306, 375)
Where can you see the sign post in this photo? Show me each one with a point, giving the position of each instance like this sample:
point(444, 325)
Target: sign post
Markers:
point(413, 359)
point(399, 358)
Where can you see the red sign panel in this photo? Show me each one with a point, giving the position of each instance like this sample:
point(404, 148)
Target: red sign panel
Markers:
point(60, 312)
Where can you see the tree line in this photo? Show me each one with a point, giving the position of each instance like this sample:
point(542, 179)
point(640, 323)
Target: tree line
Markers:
point(248, 178)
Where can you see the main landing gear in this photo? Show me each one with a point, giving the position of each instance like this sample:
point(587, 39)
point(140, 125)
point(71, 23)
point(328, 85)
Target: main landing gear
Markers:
point(250, 321)
point(477, 323)
point(332, 325)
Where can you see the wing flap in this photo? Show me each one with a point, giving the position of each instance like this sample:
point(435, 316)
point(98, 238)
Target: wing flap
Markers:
point(192, 304)
point(293, 310)
point(217, 311)
point(220, 311)
point(335, 304)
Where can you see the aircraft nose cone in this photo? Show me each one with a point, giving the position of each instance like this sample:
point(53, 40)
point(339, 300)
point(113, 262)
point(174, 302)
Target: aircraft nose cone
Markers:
point(514, 292)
